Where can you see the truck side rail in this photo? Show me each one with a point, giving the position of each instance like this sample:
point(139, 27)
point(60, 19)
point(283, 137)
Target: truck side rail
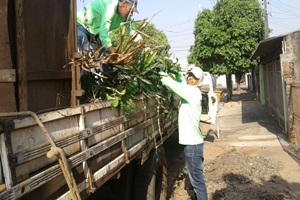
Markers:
point(97, 140)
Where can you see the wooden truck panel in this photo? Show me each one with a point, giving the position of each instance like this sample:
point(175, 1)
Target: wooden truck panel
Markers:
point(35, 47)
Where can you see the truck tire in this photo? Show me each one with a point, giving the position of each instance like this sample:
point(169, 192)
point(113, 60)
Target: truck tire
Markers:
point(151, 177)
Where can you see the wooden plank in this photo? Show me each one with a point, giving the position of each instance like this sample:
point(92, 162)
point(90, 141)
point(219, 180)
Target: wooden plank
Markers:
point(77, 93)
point(21, 56)
point(42, 48)
point(48, 75)
point(5, 55)
point(72, 50)
point(7, 98)
point(7, 75)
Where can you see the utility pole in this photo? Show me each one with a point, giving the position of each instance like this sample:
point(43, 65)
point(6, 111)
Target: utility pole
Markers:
point(266, 19)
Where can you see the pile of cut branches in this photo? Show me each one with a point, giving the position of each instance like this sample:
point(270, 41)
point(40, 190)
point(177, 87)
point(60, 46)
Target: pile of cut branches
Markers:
point(132, 71)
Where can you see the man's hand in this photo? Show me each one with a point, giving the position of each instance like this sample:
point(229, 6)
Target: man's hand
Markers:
point(140, 42)
point(110, 50)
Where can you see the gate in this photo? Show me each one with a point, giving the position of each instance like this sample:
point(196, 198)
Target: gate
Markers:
point(273, 87)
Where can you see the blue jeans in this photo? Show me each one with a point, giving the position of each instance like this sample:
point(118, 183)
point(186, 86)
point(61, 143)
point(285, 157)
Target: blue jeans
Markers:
point(83, 42)
point(193, 155)
point(83, 38)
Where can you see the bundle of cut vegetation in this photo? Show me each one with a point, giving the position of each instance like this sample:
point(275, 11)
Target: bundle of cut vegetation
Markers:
point(132, 72)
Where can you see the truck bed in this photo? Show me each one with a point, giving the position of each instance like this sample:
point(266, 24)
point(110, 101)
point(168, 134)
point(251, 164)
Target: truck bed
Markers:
point(98, 142)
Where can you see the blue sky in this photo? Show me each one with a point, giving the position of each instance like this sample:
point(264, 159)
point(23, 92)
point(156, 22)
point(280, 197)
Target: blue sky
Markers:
point(176, 18)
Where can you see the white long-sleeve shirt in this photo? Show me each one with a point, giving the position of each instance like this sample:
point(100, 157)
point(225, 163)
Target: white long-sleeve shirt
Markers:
point(189, 112)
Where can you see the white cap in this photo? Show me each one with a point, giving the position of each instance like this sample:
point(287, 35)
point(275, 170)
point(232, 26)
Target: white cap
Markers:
point(198, 73)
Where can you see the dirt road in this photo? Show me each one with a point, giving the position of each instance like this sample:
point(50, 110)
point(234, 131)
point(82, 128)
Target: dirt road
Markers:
point(251, 160)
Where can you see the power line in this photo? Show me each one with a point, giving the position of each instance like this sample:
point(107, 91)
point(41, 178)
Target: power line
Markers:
point(180, 35)
point(285, 18)
point(212, 4)
point(284, 25)
point(180, 50)
point(286, 14)
point(288, 5)
point(180, 23)
point(180, 46)
point(284, 9)
point(175, 41)
point(180, 31)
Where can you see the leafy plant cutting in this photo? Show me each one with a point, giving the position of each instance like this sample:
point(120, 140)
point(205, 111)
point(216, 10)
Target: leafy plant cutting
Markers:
point(133, 71)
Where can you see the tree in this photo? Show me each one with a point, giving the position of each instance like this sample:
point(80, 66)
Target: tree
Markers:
point(225, 38)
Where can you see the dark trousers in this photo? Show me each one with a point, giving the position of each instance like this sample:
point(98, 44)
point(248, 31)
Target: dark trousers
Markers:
point(83, 42)
point(193, 155)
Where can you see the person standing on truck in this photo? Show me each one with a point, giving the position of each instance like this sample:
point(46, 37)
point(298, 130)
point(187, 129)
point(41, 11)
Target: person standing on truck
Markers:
point(98, 18)
point(94, 22)
point(188, 124)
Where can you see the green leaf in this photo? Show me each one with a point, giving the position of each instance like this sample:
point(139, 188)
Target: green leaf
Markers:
point(172, 76)
point(110, 98)
point(131, 88)
point(145, 80)
point(149, 59)
point(123, 92)
point(115, 102)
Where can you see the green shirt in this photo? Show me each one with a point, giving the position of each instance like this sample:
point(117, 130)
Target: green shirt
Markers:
point(101, 17)
point(189, 112)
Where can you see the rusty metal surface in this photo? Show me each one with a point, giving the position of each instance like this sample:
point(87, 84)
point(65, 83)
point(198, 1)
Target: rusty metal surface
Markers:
point(43, 49)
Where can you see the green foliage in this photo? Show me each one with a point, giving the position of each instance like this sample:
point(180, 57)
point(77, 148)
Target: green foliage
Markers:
point(226, 37)
point(127, 83)
point(185, 171)
point(179, 182)
point(133, 70)
point(156, 38)
point(233, 149)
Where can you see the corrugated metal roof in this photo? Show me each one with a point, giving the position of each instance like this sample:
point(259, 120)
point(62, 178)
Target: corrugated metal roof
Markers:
point(265, 45)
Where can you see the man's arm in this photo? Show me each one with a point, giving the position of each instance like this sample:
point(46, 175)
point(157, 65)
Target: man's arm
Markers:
point(105, 23)
point(110, 50)
point(181, 89)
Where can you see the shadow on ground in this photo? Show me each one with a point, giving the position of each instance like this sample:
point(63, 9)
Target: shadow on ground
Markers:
point(240, 187)
point(254, 112)
point(176, 162)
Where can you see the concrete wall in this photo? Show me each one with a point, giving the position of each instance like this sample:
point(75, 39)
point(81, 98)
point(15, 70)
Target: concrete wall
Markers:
point(290, 62)
point(221, 80)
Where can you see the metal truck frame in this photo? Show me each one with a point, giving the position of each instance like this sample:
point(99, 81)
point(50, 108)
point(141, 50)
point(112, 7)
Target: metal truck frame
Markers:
point(92, 142)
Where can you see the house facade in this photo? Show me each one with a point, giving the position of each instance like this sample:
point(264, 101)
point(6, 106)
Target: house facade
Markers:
point(278, 81)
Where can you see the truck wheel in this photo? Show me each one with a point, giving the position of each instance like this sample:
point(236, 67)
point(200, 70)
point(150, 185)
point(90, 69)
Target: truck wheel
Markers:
point(151, 177)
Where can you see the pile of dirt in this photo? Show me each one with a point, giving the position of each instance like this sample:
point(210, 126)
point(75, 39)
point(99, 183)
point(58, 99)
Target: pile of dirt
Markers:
point(236, 176)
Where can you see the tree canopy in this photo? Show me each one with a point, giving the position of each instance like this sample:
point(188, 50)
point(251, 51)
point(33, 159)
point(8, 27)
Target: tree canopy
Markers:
point(226, 36)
